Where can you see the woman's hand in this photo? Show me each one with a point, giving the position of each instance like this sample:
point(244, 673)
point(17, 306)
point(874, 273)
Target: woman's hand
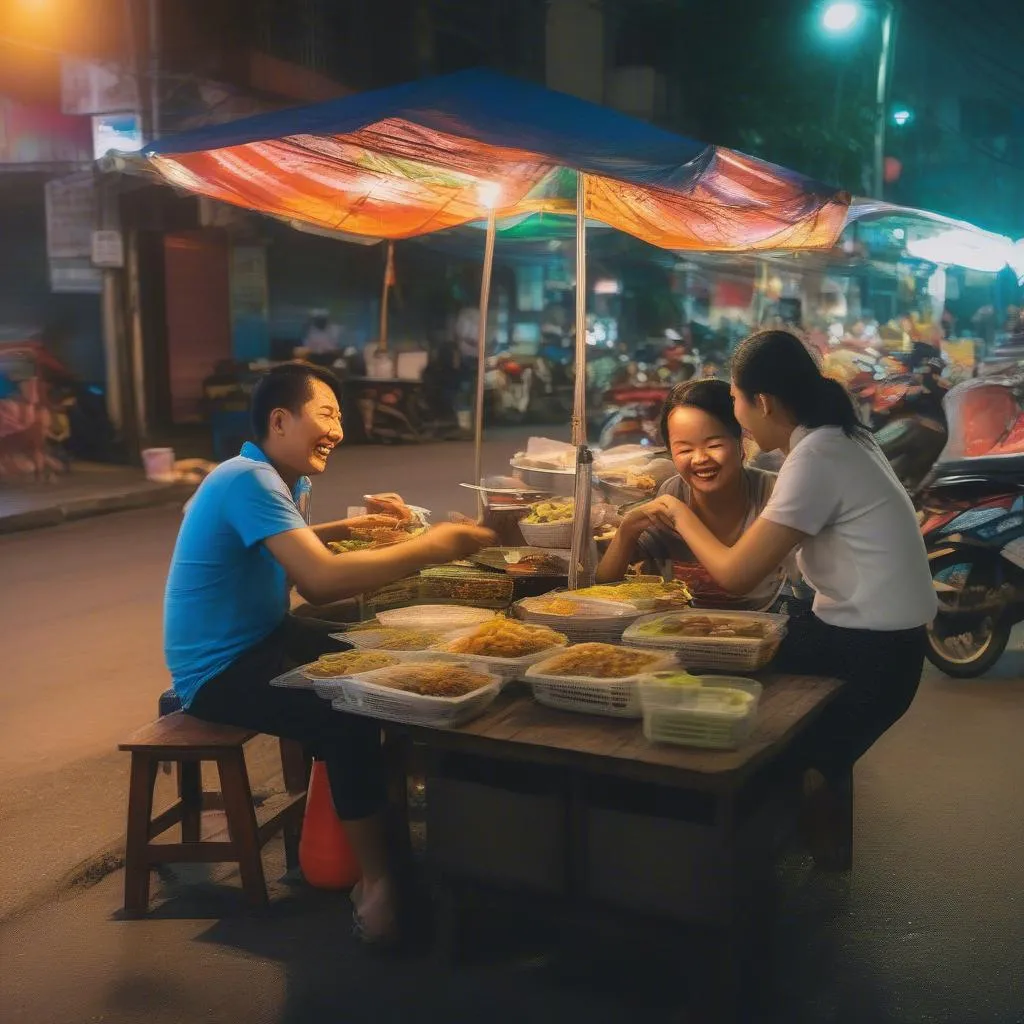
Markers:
point(667, 511)
point(638, 519)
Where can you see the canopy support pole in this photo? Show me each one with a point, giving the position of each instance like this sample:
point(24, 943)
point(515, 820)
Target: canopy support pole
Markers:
point(481, 368)
point(389, 273)
point(579, 407)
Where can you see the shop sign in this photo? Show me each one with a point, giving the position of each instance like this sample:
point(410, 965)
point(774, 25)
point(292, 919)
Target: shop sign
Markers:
point(107, 249)
point(75, 277)
point(96, 87)
point(71, 214)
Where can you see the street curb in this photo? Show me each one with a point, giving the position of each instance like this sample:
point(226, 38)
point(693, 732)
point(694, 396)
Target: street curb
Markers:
point(107, 860)
point(84, 508)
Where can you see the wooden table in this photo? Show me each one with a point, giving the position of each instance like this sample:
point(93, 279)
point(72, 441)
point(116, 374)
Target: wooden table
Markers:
point(584, 816)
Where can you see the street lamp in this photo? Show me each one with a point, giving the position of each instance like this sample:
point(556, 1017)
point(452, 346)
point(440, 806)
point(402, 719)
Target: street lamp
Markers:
point(840, 17)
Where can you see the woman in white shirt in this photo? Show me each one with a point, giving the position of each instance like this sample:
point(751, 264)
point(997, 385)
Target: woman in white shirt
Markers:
point(855, 532)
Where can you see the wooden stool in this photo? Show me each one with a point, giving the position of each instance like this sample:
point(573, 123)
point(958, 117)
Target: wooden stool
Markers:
point(187, 742)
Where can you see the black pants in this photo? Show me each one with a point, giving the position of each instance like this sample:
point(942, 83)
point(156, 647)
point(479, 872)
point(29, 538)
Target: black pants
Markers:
point(349, 745)
point(881, 670)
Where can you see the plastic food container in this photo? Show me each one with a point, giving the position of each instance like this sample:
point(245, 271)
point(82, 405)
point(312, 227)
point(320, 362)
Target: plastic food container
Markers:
point(616, 698)
point(374, 639)
point(330, 687)
point(363, 695)
point(723, 653)
point(715, 712)
point(506, 669)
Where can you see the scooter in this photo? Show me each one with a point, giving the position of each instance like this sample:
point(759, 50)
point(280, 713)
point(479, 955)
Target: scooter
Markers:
point(633, 413)
point(973, 525)
point(911, 424)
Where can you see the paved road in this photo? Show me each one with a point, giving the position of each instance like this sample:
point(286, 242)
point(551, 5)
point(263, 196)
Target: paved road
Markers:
point(82, 660)
point(928, 928)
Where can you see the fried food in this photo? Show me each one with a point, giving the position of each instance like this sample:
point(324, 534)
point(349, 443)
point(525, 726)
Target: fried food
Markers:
point(349, 663)
point(504, 638)
point(406, 639)
point(389, 505)
point(538, 564)
point(434, 679)
point(556, 606)
point(550, 512)
point(629, 478)
point(601, 661)
point(707, 626)
point(672, 592)
point(381, 536)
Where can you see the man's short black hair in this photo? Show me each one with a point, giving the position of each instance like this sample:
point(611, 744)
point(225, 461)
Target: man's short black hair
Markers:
point(288, 386)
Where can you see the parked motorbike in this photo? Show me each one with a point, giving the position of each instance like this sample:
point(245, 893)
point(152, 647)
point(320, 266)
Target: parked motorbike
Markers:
point(633, 414)
point(916, 432)
point(973, 528)
point(972, 519)
point(510, 382)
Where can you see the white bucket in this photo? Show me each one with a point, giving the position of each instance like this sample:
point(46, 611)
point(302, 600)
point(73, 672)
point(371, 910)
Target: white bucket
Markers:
point(159, 464)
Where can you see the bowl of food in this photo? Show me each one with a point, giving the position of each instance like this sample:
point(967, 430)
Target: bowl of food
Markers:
point(548, 524)
point(580, 618)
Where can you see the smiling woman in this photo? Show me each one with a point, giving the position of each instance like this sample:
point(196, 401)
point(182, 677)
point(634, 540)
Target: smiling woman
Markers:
point(705, 442)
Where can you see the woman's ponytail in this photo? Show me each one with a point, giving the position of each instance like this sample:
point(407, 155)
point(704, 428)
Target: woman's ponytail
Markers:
point(834, 408)
point(777, 363)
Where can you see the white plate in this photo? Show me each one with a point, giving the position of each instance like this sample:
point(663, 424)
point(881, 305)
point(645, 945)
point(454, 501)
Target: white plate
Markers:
point(434, 616)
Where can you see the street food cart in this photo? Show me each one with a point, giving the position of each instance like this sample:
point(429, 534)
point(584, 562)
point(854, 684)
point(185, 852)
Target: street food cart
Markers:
point(479, 147)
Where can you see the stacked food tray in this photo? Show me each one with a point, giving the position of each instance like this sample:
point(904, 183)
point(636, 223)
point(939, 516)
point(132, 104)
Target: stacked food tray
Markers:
point(588, 619)
point(714, 712)
point(476, 587)
point(613, 696)
point(394, 595)
point(712, 640)
point(372, 694)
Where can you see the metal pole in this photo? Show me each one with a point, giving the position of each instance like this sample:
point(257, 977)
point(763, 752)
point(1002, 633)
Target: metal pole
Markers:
point(579, 407)
point(153, 17)
point(882, 97)
point(389, 269)
point(481, 353)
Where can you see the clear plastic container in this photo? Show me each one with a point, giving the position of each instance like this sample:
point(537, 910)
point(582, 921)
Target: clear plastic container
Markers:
point(723, 653)
point(713, 712)
point(364, 695)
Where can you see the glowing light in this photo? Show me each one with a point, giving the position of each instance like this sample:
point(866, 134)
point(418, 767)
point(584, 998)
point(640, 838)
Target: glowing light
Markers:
point(972, 250)
point(902, 116)
point(841, 16)
point(899, 234)
point(488, 192)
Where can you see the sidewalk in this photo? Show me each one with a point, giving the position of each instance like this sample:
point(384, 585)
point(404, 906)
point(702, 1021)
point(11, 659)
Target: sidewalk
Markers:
point(89, 489)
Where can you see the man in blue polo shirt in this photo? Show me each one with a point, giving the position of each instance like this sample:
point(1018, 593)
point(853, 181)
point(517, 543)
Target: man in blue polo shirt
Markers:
point(227, 632)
